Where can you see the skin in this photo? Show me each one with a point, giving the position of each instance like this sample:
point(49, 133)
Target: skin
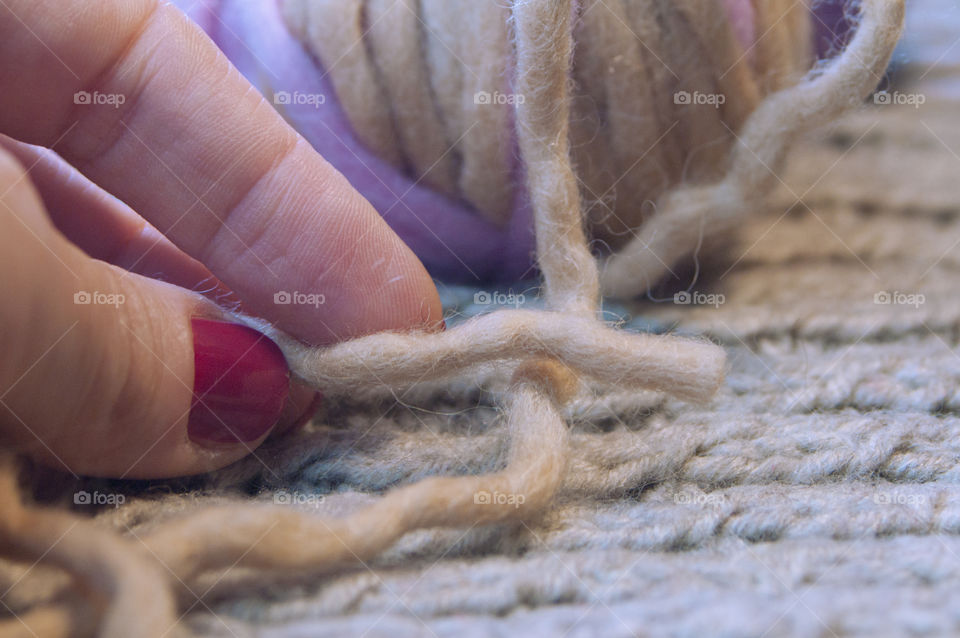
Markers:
point(194, 177)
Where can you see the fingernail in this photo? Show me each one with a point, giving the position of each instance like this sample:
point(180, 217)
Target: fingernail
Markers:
point(240, 383)
point(302, 403)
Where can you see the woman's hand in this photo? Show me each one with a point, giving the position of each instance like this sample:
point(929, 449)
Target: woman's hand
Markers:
point(103, 370)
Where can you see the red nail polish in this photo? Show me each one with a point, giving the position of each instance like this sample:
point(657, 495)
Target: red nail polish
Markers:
point(240, 383)
point(302, 403)
point(308, 412)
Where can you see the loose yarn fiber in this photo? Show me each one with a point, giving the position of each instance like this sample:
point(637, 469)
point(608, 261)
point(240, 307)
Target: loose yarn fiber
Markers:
point(130, 586)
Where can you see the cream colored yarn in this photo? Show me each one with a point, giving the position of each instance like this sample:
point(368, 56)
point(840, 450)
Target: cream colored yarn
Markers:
point(691, 212)
point(130, 586)
point(408, 75)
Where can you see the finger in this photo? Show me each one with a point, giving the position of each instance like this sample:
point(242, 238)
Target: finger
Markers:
point(114, 374)
point(174, 131)
point(106, 229)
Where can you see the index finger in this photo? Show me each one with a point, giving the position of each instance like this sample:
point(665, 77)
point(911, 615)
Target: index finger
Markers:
point(142, 102)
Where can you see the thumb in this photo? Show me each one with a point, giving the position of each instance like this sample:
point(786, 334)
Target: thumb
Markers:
point(109, 373)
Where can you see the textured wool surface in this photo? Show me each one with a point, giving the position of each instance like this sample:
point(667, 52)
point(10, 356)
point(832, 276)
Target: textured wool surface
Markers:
point(816, 496)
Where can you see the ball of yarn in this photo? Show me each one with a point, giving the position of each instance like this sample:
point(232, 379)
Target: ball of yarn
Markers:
point(413, 102)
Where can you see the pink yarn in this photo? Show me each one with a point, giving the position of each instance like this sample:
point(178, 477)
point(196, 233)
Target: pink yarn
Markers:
point(741, 15)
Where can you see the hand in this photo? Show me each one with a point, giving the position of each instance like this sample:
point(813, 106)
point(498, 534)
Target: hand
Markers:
point(106, 371)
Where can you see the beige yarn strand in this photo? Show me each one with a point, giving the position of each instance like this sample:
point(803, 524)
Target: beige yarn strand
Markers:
point(688, 369)
point(685, 213)
point(115, 571)
point(544, 47)
point(271, 537)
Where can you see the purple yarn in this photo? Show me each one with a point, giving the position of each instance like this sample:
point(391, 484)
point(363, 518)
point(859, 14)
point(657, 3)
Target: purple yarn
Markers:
point(452, 240)
point(741, 15)
point(832, 25)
